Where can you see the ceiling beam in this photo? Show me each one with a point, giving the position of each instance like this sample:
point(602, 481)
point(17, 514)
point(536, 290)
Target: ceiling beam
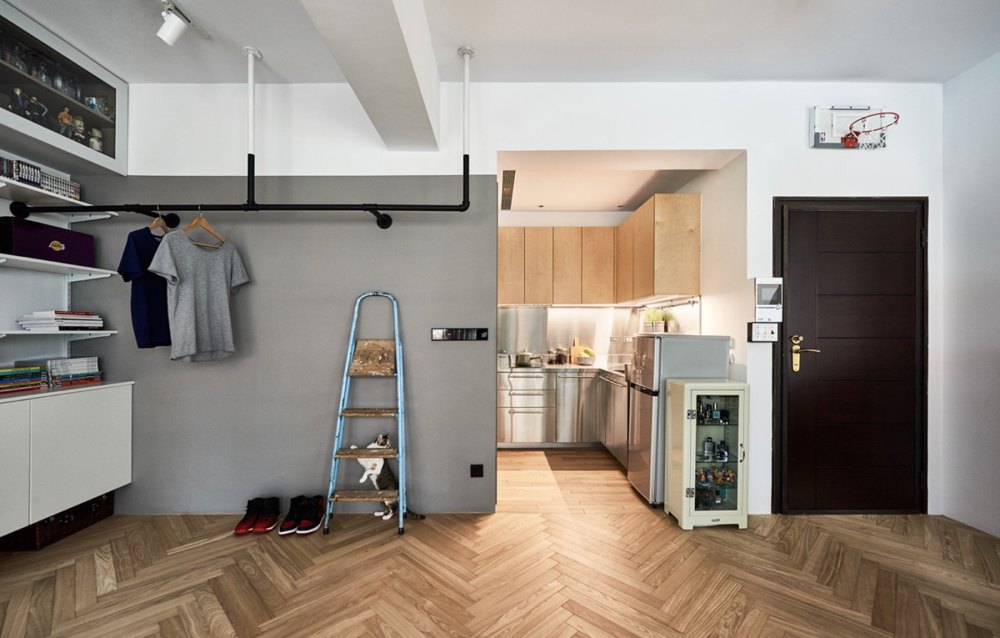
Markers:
point(384, 49)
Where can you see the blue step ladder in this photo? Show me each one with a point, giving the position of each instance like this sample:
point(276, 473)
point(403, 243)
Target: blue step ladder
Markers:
point(371, 358)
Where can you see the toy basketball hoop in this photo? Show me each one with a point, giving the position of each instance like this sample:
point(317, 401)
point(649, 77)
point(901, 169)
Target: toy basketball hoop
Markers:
point(869, 131)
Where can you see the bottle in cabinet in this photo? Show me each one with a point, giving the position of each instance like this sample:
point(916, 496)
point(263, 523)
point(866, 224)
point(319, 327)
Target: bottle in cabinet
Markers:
point(706, 452)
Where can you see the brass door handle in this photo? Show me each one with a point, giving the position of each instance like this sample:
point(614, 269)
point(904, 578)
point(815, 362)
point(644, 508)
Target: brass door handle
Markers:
point(797, 349)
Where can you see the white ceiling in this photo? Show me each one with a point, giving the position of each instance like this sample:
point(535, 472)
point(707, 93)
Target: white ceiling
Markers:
point(543, 41)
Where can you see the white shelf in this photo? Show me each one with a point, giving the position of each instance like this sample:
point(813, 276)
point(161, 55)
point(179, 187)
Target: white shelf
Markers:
point(71, 335)
point(32, 195)
point(73, 272)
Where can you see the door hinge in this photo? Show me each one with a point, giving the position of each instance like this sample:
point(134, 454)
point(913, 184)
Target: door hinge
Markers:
point(692, 414)
point(923, 238)
point(689, 492)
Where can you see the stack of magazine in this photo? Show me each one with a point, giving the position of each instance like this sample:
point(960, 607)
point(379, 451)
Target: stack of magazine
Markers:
point(66, 372)
point(47, 320)
point(21, 378)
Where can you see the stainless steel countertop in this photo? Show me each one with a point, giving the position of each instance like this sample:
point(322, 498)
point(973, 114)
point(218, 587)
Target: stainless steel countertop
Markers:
point(563, 366)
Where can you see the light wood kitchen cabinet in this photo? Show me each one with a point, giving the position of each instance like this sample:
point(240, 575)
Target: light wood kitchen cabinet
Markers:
point(567, 265)
point(666, 257)
point(538, 265)
point(510, 265)
point(597, 280)
point(624, 249)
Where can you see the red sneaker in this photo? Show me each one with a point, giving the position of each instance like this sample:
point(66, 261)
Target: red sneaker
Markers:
point(312, 515)
point(250, 518)
point(294, 516)
point(268, 518)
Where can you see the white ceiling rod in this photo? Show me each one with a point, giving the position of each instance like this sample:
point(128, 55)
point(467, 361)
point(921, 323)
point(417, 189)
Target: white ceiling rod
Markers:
point(251, 54)
point(466, 53)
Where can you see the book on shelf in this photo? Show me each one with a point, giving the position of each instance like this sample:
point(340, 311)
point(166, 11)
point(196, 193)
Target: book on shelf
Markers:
point(61, 313)
point(6, 390)
point(63, 364)
point(72, 380)
point(23, 368)
point(62, 326)
point(23, 378)
point(60, 321)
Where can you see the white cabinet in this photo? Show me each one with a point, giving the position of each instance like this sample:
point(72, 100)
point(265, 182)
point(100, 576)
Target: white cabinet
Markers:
point(81, 447)
point(58, 448)
point(706, 452)
point(62, 448)
point(14, 442)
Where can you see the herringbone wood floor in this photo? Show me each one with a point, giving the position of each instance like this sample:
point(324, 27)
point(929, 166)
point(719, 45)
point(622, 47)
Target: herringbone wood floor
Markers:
point(571, 551)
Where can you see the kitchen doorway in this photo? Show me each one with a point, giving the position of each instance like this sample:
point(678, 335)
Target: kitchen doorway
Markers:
point(850, 422)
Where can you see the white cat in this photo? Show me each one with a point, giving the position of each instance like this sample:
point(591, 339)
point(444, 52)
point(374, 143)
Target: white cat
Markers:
point(373, 467)
point(381, 476)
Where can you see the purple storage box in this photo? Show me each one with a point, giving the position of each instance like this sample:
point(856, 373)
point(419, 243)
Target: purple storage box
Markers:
point(41, 241)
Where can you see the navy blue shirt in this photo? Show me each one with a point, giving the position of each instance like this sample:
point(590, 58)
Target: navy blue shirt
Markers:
point(149, 290)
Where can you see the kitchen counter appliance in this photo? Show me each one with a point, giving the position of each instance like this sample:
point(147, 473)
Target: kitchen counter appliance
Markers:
point(657, 358)
point(615, 433)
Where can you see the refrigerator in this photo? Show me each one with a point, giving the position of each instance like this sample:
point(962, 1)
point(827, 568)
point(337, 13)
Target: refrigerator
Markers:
point(656, 358)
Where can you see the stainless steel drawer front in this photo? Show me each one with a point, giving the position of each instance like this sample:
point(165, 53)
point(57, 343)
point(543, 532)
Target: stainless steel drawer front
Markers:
point(525, 381)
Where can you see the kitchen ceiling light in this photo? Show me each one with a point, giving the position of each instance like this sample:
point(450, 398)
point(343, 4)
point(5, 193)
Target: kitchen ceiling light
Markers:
point(175, 23)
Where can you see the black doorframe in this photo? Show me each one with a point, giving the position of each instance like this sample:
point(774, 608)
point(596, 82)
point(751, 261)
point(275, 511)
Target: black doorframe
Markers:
point(778, 249)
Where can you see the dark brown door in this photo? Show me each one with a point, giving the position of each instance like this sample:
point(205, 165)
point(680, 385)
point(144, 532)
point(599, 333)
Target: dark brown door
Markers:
point(852, 428)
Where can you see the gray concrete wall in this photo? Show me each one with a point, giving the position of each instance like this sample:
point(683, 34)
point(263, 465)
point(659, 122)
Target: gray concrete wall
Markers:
point(209, 436)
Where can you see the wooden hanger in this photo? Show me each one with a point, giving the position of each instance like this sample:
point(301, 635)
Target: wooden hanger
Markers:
point(201, 222)
point(158, 223)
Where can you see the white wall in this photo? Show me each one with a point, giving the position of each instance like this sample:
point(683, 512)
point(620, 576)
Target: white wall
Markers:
point(727, 302)
point(970, 437)
point(321, 130)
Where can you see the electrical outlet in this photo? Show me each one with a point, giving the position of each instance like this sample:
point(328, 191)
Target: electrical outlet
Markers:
point(476, 470)
point(762, 332)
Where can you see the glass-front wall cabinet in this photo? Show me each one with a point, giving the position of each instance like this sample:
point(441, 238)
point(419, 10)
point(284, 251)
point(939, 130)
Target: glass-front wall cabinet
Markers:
point(706, 452)
point(53, 94)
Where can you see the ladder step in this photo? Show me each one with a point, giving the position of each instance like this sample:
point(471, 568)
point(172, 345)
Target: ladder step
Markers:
point(373, 358)
point(370, 412)
point(364, 496)
point(367, 453)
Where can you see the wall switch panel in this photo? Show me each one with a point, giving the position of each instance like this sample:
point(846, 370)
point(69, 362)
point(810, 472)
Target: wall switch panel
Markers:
point(460, 334)
point(762, 332)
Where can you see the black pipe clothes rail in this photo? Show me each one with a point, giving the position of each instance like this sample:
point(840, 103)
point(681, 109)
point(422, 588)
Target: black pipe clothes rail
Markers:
point(382, 218)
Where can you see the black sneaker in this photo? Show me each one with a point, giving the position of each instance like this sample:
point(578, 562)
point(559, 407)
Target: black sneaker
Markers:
point(250, 518)
point(294, 515)
point(312, 515)
point(268, 518)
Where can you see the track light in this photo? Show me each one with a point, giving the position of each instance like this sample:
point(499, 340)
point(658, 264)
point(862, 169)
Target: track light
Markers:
point(175, 23)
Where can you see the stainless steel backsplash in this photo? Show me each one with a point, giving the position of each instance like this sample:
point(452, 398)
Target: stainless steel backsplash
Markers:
point(522, 328)
point(606, 329)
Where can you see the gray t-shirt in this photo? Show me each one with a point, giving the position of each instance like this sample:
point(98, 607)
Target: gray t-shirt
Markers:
point(199, 283)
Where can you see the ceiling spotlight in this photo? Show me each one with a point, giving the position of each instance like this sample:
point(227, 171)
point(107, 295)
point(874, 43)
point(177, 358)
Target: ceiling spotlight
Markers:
point(175, 23)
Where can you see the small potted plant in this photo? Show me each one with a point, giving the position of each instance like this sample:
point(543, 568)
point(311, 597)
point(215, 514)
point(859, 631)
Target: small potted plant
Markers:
point(667, 318)
point(657, 318)
point(654, 316)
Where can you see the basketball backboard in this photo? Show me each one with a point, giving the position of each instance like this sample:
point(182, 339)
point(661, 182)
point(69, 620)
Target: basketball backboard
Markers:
point(830, 124)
